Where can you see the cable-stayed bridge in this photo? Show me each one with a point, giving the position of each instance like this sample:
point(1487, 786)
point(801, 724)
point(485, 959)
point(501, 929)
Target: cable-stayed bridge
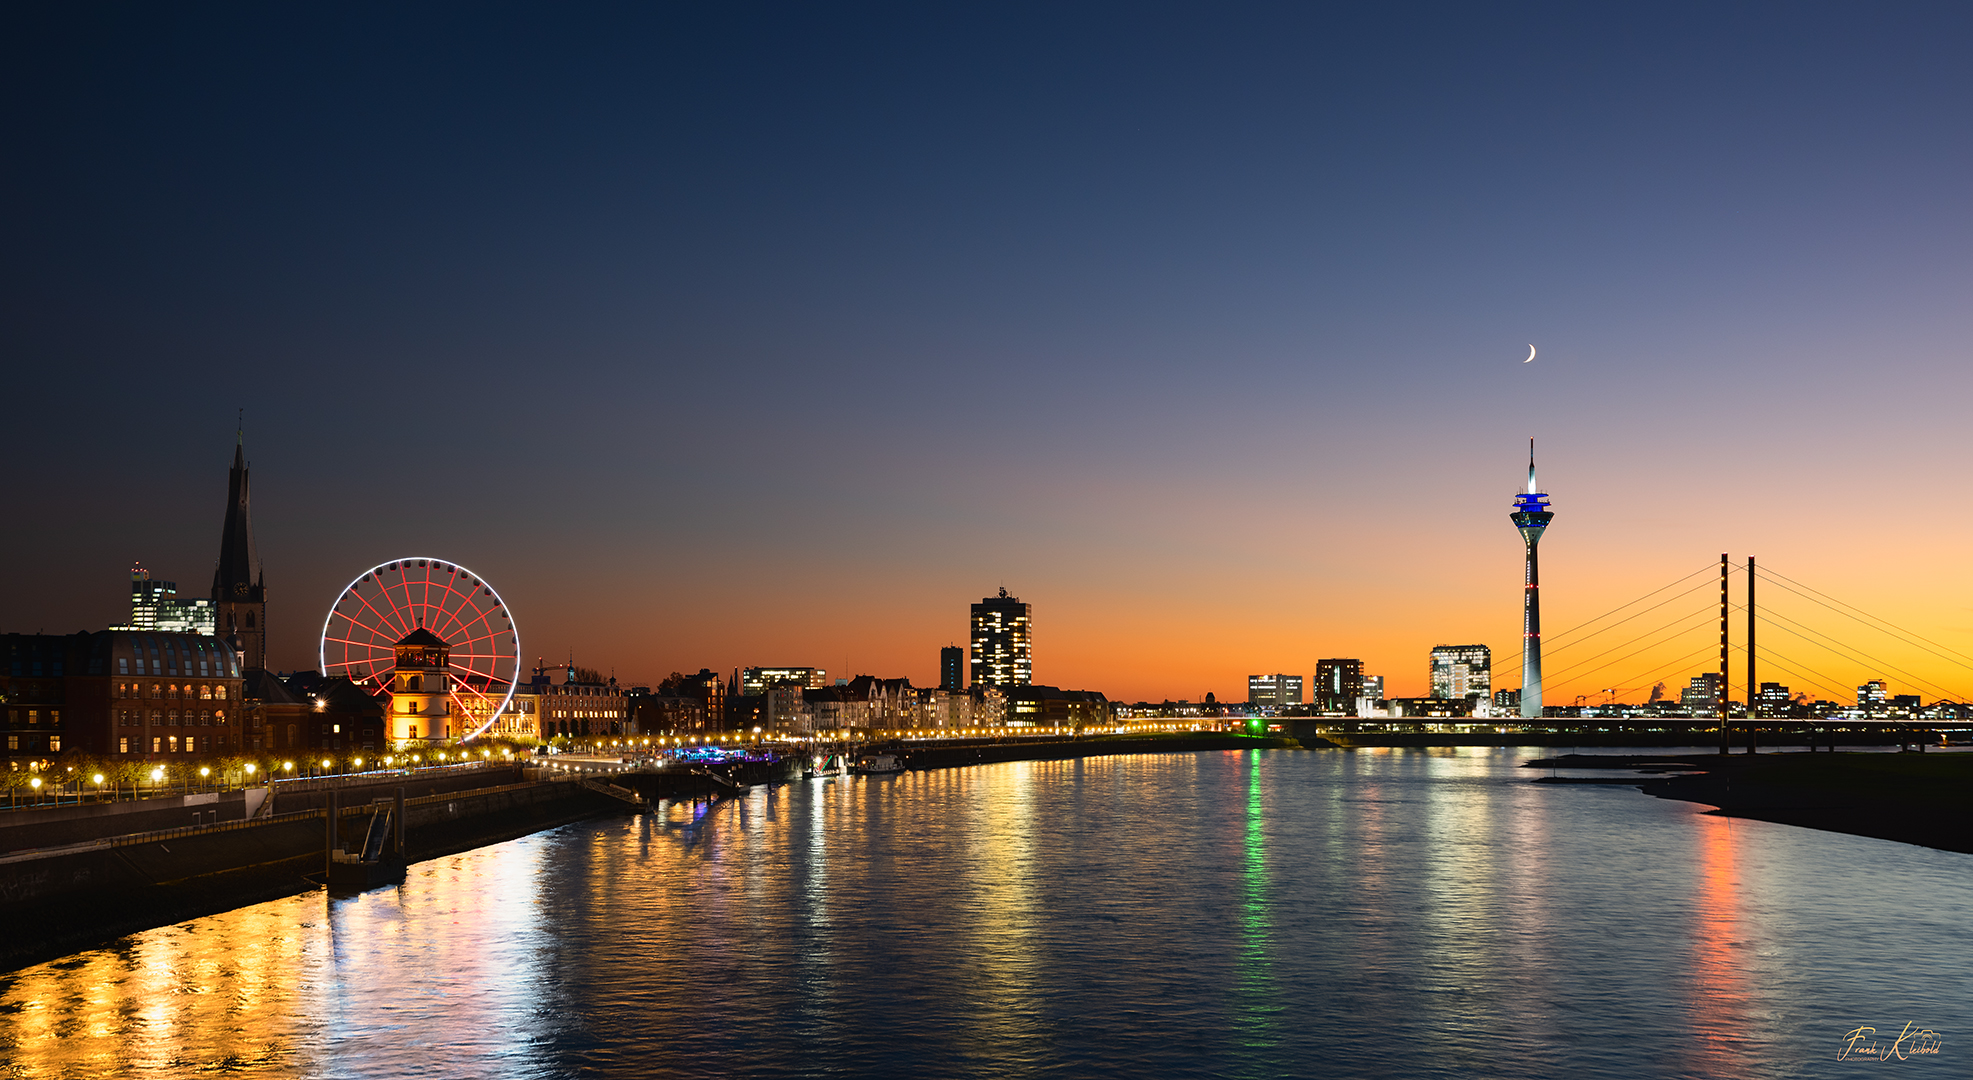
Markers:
point(1731, 653)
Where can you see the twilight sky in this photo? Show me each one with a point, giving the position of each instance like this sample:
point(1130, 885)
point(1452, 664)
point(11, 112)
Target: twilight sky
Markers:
point(730, 334)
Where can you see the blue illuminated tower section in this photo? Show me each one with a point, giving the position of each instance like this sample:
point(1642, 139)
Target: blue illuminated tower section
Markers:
point(1531, 516)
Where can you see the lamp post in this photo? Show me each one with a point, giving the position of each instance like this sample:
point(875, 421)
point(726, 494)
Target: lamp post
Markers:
point(99, 786)
point(36, 785)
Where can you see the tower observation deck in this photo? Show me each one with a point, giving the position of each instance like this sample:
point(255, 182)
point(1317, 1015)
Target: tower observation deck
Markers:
point(1531, 516)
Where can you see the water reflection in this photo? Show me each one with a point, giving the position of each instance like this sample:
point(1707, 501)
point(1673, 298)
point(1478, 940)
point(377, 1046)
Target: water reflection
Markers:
point(1383, 913)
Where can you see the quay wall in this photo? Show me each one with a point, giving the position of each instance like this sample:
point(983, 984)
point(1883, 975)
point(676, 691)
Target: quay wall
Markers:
point(69, 899)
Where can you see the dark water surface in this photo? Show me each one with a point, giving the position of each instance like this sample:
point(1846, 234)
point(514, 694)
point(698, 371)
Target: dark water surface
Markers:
point(1270, 913)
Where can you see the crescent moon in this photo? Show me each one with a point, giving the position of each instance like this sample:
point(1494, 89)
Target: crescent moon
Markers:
point(1531, 354)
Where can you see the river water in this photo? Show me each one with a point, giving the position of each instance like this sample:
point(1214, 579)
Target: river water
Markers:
point(1249, 913)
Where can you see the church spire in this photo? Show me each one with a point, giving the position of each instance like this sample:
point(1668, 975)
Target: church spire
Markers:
point(238, 595)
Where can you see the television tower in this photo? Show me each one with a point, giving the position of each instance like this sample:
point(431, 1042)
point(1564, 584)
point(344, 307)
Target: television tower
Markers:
point(1531, 515)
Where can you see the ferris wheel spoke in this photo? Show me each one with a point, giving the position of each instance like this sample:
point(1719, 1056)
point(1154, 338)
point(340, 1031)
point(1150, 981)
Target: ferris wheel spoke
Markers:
point(455, 622)
point(381, 617)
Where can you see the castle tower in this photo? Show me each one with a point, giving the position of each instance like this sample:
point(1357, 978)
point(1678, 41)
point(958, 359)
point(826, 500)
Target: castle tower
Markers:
point(421, 689)
point(1531, 516)
point(239, 595)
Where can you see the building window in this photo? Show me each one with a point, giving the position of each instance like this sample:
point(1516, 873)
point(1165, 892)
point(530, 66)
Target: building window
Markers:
point(123, 665)
point(54, 744)
point(219, 716)
point(171, 720)
point(190, 746)
point(174, 744)
point(34, 716)
point(205, 692)
point(205, 719)
point(13, 742)
point(123, 746)
point(155, 743)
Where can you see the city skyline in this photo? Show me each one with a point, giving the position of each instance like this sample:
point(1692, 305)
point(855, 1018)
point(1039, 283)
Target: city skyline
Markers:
point(1123, 315)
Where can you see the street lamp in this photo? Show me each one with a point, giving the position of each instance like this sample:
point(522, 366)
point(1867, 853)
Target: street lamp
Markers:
point(204, 772)
point(99, 786)
point(36, 785)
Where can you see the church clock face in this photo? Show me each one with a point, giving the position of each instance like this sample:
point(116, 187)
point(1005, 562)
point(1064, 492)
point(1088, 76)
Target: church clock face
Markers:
point(240, 589)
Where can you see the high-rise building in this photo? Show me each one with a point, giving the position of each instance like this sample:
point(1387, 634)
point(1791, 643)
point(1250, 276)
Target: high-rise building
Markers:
point(755, 681)
point(1373, 687)
point(1274, 691)
point(1460, 671)
point(1531, 517)
point(1338, 683)
point(1003, 642)
point(952, 668)
point(239, 593)
point(1702, 695)
point(154, 605)
point(1773, 701)
point(1874, 698)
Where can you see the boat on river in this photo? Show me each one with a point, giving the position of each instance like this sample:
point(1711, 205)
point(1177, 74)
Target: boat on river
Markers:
point(880, 764)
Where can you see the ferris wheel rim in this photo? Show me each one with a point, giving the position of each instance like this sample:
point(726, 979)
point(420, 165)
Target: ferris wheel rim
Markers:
point(499, 603)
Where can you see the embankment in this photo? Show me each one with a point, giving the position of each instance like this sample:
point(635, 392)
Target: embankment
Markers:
point(65, 899)
point(1923, 799)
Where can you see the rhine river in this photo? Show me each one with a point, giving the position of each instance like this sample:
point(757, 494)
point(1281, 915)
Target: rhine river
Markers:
point(1249, 913)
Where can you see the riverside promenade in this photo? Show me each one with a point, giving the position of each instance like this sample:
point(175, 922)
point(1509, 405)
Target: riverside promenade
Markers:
point(77, 876)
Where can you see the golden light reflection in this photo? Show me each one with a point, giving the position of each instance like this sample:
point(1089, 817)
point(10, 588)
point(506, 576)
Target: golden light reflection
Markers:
point(1720, 999)
point(207, 995)
point(1001, 922)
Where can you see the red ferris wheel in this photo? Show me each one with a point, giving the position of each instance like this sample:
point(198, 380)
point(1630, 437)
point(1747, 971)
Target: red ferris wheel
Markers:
point(389, 602)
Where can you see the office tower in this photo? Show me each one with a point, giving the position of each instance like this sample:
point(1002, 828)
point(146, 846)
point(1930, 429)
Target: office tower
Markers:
point(952, 668)
point(1338, 683)
point(1462, 670)
point(1773, 700)
point(1531, 516)
point(154, 605)
point(1873, 698)
point(1003, 641)
point(755, 681)
point(239, 593)
point(1702, 695)
point(1373, 687)
point(1275, 691)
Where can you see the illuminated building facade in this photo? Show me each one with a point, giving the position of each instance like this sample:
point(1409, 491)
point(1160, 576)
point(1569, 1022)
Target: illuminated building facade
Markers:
point(755, 681)
point(154, 605)
point(421, 689)
point(1003, 642)
point(1338, 683)
point(1531, 517)
point(1274, 691)
point(1461, 671)
point(118, 694)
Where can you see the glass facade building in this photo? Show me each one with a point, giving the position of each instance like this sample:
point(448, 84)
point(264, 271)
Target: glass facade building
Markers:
point(1460, 671)
point(154, 605)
